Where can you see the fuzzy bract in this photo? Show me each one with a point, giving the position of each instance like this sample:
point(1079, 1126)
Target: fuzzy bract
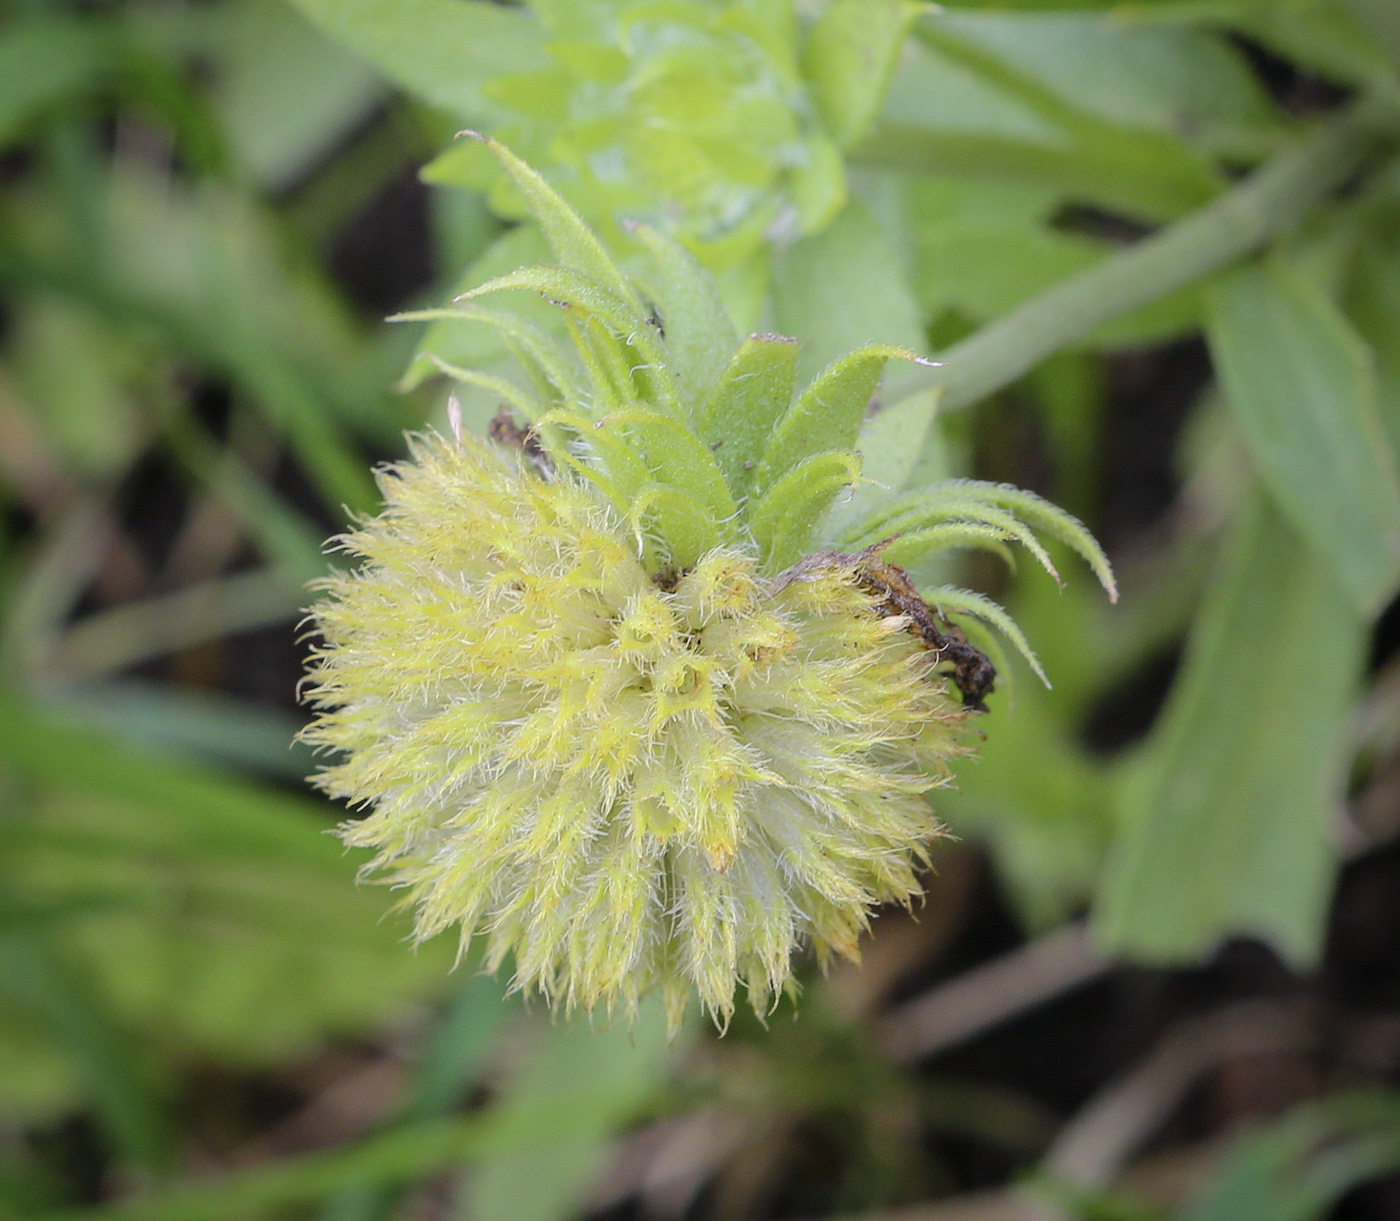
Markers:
point(626, 783)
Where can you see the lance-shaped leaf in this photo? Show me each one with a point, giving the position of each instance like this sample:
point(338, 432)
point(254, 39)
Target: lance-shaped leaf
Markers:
point(698, 334)
point(754, 391)
point(828, 413)
point(572, 290)
point(783, 520)
point(675, 456)
point(537, 352)
point(947, 598)
point(1301, 383)
point(573, 242)
point(1228, 826)
point(671, 526)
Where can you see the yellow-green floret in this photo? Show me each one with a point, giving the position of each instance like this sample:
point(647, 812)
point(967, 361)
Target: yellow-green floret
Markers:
point(626, 783)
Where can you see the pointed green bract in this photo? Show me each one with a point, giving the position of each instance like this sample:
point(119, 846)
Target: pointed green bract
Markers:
point(574, 244)
point(676, 455)
point(828, 413)
point(698, 444)
point(699, 336)
point(946, 598)
point(752, 394)
point(783, 520)
point(537, 352)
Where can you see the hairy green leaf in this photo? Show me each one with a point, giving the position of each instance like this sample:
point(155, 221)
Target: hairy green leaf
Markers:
point(783, 519)
point(753, 392)
point(890, 444)
point(947, 598)
point(1301, 384)
point(699, 336)
point(574, 244)
point(538, 352)
point(675, 456)
point(827, 415)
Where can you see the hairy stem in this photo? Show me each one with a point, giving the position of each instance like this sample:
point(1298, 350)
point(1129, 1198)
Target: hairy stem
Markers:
point(1268, 202)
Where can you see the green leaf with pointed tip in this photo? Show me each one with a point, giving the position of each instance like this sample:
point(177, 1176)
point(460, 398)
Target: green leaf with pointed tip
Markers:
point(573, 290)
point(1229, 818)
point(675, 456)
point(612, 465)
point(827, 415)
point(522, 400)
point(475, 346)
point(890, 444)
point(1302, 385)
point(573, 242)
point(753, 392)
point(850, 58)
point(1050, 519)
point(782, 521)
point(996, 504)
point(946, 598)
point(538, 352)
point(672, 527)
point(918, 545)
point(921, 512)
point(442, 50)
point(697, 330)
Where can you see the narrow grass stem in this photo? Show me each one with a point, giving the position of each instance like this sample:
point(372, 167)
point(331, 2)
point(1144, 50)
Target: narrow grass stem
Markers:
point(1267, 203)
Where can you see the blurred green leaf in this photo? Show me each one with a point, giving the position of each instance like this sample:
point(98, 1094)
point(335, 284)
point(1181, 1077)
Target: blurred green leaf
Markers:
point(1322, 35)
point(441, 50)
point(1185, 82)
point(983, 270)
point(584, 1084)
point(1301, 384)
point(1228, 820)
point(41, 979)
point(1374, 309)
point(958, 107)
point(234, 924)
point(209, 725)
point(1383, 18)
point(453, 1055)
point(850, 57)
point(45, 61)
point(1036, 797)
point(1298, 1168)
point(284, 91)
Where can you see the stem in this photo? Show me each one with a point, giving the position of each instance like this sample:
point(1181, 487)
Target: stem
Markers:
point(1267, 203)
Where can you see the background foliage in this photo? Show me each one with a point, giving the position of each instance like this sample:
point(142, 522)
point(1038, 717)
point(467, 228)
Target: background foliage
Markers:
point(1157, 246)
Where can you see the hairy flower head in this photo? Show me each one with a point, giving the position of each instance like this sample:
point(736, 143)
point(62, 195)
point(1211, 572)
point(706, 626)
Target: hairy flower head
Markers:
point(606, 704)
point(625, 785)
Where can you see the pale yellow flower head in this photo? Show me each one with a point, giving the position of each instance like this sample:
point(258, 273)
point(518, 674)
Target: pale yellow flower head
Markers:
point(623, 785)
point(606, 704)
